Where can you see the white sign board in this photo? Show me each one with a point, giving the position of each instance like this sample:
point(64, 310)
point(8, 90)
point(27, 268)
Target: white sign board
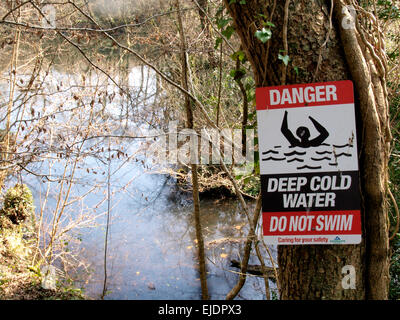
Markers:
point(309, 164)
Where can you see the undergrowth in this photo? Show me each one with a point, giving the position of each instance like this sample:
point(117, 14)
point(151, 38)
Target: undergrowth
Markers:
point(20, 277)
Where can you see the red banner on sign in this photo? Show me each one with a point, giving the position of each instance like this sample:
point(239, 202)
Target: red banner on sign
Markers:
point(305, 95)
point(339, 222)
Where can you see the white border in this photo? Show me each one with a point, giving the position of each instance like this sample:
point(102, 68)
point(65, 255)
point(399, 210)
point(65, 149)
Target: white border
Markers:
point(330, 239)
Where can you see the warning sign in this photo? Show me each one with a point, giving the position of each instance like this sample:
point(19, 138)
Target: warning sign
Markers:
point(309, 164)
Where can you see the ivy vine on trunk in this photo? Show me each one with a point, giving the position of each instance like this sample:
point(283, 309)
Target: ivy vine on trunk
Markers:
point(317, 41)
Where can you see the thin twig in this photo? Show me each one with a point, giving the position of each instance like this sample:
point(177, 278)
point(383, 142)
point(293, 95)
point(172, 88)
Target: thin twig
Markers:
point(108, 220)
point(285, 41)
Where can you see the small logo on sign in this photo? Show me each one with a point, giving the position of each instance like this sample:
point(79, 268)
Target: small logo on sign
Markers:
point(337, 240)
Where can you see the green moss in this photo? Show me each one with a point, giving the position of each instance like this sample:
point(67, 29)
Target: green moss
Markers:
point(18, 204)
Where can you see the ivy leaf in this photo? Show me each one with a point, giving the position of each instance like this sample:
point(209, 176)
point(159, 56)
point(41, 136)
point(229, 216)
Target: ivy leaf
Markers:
point(263, 35)
point(217, 43)
point(234, 1)
point(269, 24)
point(237, 74)
point(251, 115)
point(221, 23)
point(285, 59)
point(228, 32)
point(238, 55)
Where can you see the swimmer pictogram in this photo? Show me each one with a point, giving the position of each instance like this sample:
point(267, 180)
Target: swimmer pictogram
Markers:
point(303, 134)
point(307, 144)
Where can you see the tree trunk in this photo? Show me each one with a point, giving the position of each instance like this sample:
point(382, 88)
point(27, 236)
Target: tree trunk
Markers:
point(196, 199)
point(320, 49)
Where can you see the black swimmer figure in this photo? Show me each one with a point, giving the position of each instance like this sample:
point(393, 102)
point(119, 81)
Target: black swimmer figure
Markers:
point(304, 134)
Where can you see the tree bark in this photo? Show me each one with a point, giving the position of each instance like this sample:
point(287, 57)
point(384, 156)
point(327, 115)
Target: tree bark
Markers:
point(320, 51)
point(370, 83)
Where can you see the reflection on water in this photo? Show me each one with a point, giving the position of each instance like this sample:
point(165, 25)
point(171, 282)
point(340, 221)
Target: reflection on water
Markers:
point(152, 246)
point(152, 250)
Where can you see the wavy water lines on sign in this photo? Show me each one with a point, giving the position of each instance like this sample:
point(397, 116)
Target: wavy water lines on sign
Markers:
point(295, 159)
point(273, 159)
point(312, 158)
point(321, 159)
point(270, 151)
point(309, 167)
